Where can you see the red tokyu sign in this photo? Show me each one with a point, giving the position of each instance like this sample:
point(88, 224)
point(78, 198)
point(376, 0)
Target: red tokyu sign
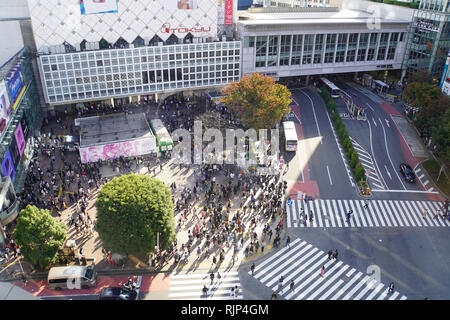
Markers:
point(166, 28)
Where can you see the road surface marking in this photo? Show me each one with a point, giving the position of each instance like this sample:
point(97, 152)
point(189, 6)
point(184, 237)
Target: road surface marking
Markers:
point(373, 155)
point(329, 176)
point(370, 107)
point(317, 123)
point(389, 174)
point(389, 156)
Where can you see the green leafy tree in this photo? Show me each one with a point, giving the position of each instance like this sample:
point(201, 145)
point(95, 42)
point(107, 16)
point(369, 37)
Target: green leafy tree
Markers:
point(39, 236)
point(258, 101)
point(440, 135)
point(131, 210)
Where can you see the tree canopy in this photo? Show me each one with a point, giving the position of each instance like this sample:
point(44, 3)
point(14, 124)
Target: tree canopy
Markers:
point(131, 209)
point(39, 236)
point(258, 101)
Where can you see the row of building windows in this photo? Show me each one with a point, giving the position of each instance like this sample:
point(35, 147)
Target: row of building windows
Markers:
point(323, 48)
point(185, 58)
point(67, 97)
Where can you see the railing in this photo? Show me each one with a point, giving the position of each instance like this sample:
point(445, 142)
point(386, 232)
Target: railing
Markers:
point(6, 216)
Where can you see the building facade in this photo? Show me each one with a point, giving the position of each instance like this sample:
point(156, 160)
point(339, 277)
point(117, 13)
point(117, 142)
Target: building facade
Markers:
point(127, 49)
point(429, 38)
point(310, 41)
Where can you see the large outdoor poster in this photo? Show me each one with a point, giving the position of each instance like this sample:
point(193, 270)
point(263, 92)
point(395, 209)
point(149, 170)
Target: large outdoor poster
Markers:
point(116, 150)
point(20, 139)
point(228, 12)
point(98, 6)
point(221, 12)
point(8, 166)
point(181, 4)
point(15, 84)
point(4, 107)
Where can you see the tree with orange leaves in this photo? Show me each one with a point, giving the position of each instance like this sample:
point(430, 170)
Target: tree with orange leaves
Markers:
point(257, 101)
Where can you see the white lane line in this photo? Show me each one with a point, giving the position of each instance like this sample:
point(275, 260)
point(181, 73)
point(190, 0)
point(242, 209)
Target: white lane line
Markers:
point(407, 191)
point(373, 119)
point(324, 211)
point(383, 212)
point(373, 155)
point(392, 213)
point(342, 290)
point(420, 177)
point(329, 176)
point(426, 182)
point(342, 212)
point(317, 122)
point(389, 174)
point(372, 215)
point(389, 156)
point(335, 213)
point(370, 107)
point(378, 213)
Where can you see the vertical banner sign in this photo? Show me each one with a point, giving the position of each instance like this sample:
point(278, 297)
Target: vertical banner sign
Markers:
point(228, 12)
point(8, 166)
point(444, 75)
point(16, 85)
point(20, 139)
point(221, 12)
point(4, 107)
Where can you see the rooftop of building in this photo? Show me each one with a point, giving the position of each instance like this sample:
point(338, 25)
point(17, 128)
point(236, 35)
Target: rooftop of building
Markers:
point(273, 16)
point(113, 128)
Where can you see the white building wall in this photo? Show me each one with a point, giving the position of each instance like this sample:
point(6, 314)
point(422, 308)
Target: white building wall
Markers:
point(386, 11)
point(14, 9)
point(11, 40)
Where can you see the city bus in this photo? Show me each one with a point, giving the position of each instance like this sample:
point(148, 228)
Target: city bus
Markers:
point(331, 87)
point(290, 136)
point(163, 138)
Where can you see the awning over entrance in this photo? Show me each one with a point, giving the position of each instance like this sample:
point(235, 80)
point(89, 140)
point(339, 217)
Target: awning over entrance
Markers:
point(381, 83)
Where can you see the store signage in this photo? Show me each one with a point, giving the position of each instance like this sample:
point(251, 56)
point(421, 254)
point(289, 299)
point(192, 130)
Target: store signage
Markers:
point(228, 12)
point(15, 84)
point(166, 28)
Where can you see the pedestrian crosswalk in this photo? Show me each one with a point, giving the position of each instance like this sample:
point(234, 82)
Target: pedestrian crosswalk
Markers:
point(365, 158)
point(301, 263)
point(189, 286)
point(379, 213)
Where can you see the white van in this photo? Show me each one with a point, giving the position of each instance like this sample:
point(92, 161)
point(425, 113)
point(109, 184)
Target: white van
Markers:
point(73, 277)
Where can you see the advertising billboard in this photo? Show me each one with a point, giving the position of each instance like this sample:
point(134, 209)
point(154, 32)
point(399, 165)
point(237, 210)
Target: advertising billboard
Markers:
point(4, 107)
point(15, 84)
point(221, 12)
point(8, 166)
point(25, 129)
point(15, 156)
point(20, 139)
point(228, 12)
point(99, 6)
point(116, 150)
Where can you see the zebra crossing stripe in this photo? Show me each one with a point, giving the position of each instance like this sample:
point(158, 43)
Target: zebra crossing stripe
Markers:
point(336, 286)
point(398, 209)
point(330, 212)
point(318, 212)
point(369, 286)
point(383, 295)
point(359, 213)
point(420, 177)
point(381, 212)
point(378, 213)
point(338, 219)
point(328, 282)
point(377, 185)
point(413, 213)
point(325, 213)
point(431, 210)
point(223, 279)
point(304, 293)
point(199, 275)
point(348, 285)
point(393, 296)
point(419, 211)
point(279, 253)
point(240, 297)
point(356, 288)
point(362, 213)
point(436, 206)
point(289, 261)
point(314, 268)
point(392, 210)
point(403, 298)
point(385, 206)
point(374, 292)
point(428, 217)
point(200, 287)
point(373, 215)
point(355, 215)
point(347, 209)
point(340, 211)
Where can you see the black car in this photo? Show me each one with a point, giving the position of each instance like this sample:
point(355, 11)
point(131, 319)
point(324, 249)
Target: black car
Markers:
point(407, 173)
point(117, 293)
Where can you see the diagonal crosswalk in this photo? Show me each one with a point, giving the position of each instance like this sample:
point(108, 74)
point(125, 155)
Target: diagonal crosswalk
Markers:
point(380, 213)
point(188, 286)
point(302, 262)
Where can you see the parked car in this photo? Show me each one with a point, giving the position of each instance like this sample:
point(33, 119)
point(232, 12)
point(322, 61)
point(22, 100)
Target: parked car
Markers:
point(407, 173)
point(117, 293)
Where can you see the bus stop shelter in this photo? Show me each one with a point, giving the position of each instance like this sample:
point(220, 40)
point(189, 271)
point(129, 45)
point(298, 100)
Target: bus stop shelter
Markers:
point(380, 86)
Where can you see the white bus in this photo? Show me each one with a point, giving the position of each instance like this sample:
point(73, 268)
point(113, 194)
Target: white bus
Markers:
point(331, 87)
point(290, 136)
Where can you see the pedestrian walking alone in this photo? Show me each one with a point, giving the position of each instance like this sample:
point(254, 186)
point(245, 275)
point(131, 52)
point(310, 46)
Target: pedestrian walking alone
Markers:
point(424, 214)
point(288, 241)
point(212, 277)
point(253, 269)
point(322, 271)
point(391, 287)
point(366, 205)
point(280, 283)
point(291, 286)
point(205, 290)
